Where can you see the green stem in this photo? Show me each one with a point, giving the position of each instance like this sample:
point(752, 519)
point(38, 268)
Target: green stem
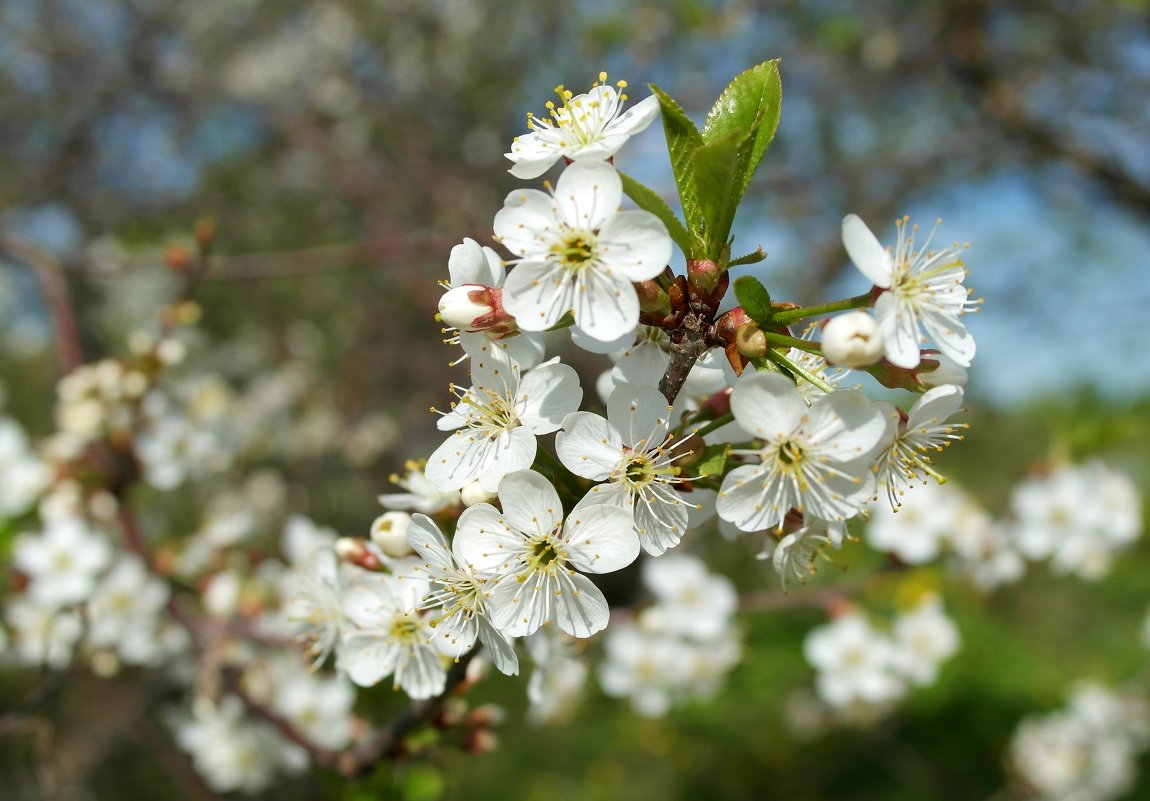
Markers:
point(806, 375)
point(717, 423)
point(857, 302)
point(794, 342)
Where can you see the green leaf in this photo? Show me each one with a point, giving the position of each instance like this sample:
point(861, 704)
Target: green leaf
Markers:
point(750, 258)
point(648, 199)
point(716, 168)
point(750, 102)
point(714, 460)
point(754, 299)
point(682, 140)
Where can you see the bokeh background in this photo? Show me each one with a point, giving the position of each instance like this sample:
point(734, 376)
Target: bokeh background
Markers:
point(342, 148)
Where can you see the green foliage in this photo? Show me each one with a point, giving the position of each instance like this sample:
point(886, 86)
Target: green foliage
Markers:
point(713, 168)
point(683, 138)
point(714, 461)
point(754, 299)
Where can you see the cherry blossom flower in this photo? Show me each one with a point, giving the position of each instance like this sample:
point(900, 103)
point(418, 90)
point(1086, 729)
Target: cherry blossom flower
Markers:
point(420, 493)
point(926, 429)
point(923, 291)
point(633, 453)
point(855, 663)
point(531, 554)
point(62, 562)
point(498, 419)
point(590, 126)
point(815, 459)
point(925, 638)
point(457, 596)
point(578, 253)
point(385, 636)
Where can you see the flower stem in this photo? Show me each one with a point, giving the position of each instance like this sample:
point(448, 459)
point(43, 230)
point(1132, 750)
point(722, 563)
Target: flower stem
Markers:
point(717, 423)
point(806, 375)
point(794, 342)
point(857, 302)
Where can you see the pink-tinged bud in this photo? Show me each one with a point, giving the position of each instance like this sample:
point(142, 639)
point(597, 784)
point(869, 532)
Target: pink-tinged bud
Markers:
point(751, 341)
point(717, 405)
point(704, 274)
point(728, 325)
point(652, 297)
point(737, 360)
point(464, 306)
point(852, 340)
point(389, 533)
point(355, 551)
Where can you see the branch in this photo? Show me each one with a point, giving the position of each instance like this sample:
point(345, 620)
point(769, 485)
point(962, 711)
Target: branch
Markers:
point(57, 297)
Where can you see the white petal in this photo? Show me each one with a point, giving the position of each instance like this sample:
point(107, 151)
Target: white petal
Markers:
point(367, 658)
point(899, 331)
point(428, 541)
point(471, 264)
point(501, 651)
point(605, 304)
point(640, 414)
point(421, 673)
point(767, 404)
point(485, 542)
point(636, 118)
point(587, 193)
point(513, 450)
point(547, 394)
point(538, 294)
point(588, 446)
point(866, 251)
point(526, 223)
point(935, 406)
point(635, 243)
point(580, 608)
point(530, 504)
point(600, 537)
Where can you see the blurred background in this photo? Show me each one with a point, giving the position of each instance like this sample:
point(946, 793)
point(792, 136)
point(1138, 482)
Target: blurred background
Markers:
point(342, 148)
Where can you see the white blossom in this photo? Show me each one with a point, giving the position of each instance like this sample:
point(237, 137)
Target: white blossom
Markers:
point(925, 638)
point(590, 126)
point(923, 290)
point(815, 459)
point(578, 253)
point(420, 493)
point(63, 562)
point(926, 429)
point(852, 340)
point(633, 453)
point(855, 663)
point(23, 476)
point(497, 420)
point(531, 554)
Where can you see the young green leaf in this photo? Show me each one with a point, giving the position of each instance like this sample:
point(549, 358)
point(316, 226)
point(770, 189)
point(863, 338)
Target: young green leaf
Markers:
point(751, 100)
point(648, 199)
point(750, 258)
point(682, 140)
point(754, 299)
point(718, 167)
point(714, 460)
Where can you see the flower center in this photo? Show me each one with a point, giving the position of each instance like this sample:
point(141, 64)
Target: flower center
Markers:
point(790, 453)
point(575, 251)
point(403, 628)
point(545, 554)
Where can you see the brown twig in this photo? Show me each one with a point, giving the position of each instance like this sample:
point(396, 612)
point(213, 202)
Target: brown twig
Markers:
point(57, 297)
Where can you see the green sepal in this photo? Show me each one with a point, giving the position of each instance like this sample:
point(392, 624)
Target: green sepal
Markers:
point(648, 199)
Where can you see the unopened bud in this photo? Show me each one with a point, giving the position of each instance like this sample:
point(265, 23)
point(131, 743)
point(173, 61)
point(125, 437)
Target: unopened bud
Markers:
point(486, 716)
point(704, 274)
point(751, 341)
point(205, 232)
point(480, 741)
point(852, 339)
point(474, 493)
point(354, 551)
point(463, 306)
point(389, 532)
point(728, 325)
point(178, 258)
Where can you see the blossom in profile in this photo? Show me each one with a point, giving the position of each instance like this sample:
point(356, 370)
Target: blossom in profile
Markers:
point(578, 253)
point(924, 293)
point(587, 127)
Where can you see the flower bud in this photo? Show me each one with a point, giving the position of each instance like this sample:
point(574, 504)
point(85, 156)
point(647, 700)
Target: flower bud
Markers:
point(852, 340)
point(704, 274)
point(474, 493)
point(751, 341)
point(355, 551)
point(389, 532)
point(463, 306)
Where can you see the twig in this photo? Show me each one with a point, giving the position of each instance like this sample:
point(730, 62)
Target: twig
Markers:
point(57, 297)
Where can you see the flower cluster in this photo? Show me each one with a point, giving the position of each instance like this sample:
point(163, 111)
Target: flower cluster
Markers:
point(861, 670)
point(1089, 749)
